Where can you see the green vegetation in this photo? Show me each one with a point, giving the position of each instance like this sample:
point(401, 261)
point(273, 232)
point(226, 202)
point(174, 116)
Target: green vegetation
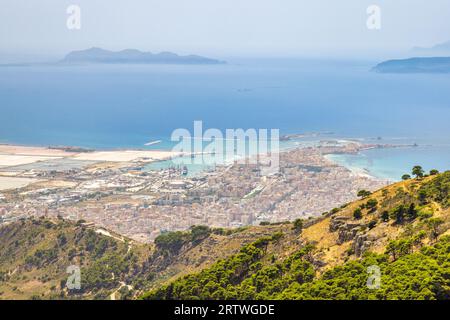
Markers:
point(242, 276)
point(434, 172)
point(417, 171)
point(409, 274)
point(371, 205)
point(433, 225)
point(419, 275)
point(406, 177)
point(41, 250)
point(372, 224)
point(415, 264)
point(363, 193)
point(437, 189)
point(173, 241)
point(357, 214)
point(298, 225)
point(408, 223)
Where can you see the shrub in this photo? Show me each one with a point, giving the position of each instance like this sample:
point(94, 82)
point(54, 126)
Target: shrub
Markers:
point(357, 214)
point(298, 225)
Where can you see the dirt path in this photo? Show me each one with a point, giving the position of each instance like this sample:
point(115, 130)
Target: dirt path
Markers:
point(122, 284)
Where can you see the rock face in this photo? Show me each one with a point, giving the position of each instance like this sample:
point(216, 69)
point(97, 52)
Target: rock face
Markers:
point(350, 230)
point(360, 244)
point(346, 229)
point(337, 222)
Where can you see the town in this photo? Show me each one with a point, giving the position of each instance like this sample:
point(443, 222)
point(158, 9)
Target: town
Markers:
point(116, 191)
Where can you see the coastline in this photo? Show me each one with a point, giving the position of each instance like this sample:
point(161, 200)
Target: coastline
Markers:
point(140, 204)
point(12, 155)
point(391, 164)
point(53, 152)
point(361, 172)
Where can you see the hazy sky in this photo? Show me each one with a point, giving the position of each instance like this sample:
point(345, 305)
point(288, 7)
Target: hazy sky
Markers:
point(223, 27)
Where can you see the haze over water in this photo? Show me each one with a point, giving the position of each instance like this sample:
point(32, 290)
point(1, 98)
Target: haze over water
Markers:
point(118, 106)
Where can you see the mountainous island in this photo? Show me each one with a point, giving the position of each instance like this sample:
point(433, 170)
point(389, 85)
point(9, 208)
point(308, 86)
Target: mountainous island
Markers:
point(441, 49)
point(133, 56)
point(415, 65)
point(402, 229)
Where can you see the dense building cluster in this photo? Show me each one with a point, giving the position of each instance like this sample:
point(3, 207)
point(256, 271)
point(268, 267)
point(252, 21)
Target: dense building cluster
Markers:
point(141, 204)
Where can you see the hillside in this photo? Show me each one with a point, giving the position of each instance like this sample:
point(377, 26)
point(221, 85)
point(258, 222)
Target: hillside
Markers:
point(35, 255)
point(403, 229)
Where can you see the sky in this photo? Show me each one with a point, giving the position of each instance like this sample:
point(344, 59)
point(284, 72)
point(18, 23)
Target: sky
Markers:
point(220, 28)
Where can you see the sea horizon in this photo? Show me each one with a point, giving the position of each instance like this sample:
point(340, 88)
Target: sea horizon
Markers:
point(110, 107)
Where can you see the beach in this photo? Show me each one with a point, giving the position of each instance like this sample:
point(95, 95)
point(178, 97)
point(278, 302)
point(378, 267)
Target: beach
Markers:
point(22, 165)
point(14, 155)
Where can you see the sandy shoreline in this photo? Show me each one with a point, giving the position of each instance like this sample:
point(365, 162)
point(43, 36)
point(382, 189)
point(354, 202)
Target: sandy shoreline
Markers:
point(16, 155)
point(13, 155)
point(357, 171)
point(306, 185)
point(31, 151)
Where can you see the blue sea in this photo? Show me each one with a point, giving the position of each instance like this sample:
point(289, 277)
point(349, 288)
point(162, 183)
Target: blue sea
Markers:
point(126, 106)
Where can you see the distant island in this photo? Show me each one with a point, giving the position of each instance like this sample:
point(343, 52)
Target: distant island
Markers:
point(415, 65)
point(441, 49)
point(98, 55)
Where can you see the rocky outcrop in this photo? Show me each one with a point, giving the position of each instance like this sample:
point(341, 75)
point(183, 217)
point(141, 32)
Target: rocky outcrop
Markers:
point(337, 222)
point(360, 244)
point(347, 229)
point(348, 232)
